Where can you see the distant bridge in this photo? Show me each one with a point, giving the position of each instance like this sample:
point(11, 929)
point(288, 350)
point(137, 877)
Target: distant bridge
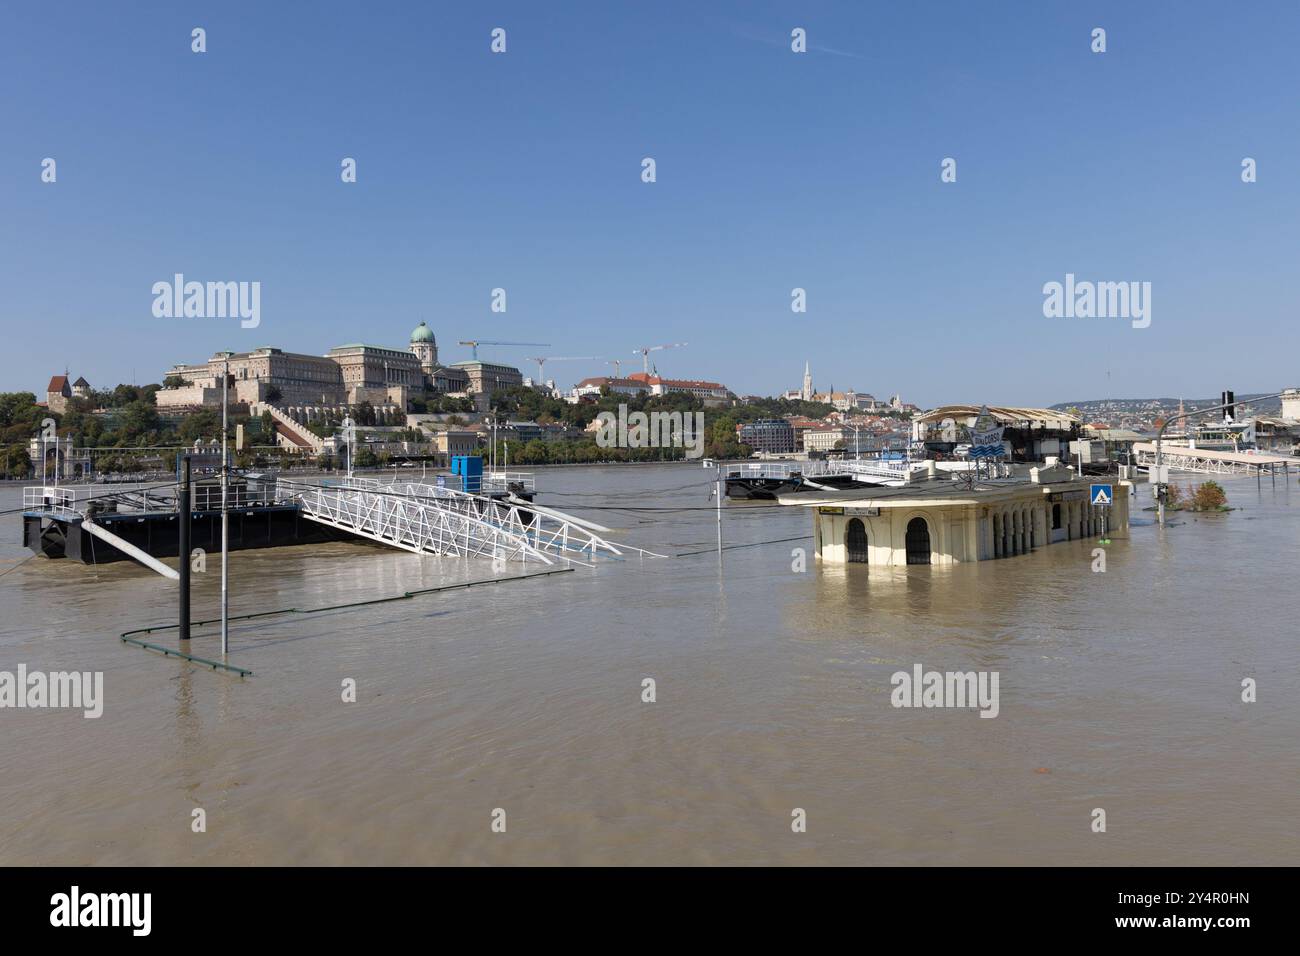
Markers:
point(1205, 461)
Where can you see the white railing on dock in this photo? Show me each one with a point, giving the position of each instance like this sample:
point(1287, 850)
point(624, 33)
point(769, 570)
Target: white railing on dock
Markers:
point(1210, 461)
point(50, 500)
point(882, 467)
point(81, 500)
point(877, 468)
point(500, 481)
point(766, 469)
point(428, 519)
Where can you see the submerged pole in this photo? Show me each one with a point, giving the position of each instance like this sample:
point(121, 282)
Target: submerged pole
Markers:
point(718, 493)
point(183, 518)
point(225, 516)
point(1160, 459)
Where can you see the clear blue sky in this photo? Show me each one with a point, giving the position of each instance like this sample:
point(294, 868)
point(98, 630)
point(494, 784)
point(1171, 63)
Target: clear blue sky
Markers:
point(775, 170)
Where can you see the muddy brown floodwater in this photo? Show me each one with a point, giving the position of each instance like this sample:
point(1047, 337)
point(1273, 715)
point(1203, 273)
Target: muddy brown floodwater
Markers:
point(1119, 690)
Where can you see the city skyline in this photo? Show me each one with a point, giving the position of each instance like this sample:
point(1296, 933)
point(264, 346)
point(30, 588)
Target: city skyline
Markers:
point(775, 171)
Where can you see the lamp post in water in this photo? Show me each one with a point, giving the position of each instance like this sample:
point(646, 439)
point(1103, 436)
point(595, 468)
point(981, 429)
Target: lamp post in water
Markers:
point(349, 439)
point(183, 516)
point(717, 493)
point(225, 514)
point(1160, 460)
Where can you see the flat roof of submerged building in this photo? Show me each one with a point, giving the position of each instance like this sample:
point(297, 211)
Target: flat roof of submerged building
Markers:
point(939, 492)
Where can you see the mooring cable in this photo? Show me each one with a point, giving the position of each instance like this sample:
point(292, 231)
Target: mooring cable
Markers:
point(752, 544)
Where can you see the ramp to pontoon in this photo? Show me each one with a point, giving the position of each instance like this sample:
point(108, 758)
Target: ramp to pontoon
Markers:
point(130, 550)
point(428, 519)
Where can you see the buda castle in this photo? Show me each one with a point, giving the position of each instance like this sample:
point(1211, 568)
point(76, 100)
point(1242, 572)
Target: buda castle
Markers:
point(346, 375)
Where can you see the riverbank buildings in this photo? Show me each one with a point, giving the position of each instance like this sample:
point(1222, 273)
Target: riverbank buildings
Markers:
point(346, 375)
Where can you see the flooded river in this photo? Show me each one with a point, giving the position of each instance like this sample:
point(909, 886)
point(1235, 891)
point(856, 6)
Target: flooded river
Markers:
point(1118, 690)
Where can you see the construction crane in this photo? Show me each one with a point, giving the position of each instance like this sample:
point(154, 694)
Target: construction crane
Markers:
point(541, 361)
point(618, 367)
point(475, 343)
point(645, 351)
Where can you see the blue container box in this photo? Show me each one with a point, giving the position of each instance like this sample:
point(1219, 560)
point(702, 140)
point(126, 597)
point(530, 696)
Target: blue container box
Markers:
point(470, 470)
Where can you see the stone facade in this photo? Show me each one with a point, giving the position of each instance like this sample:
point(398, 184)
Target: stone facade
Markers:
point(371, 366)
point(923, 525)
point(488, 377)
point(1291, 403)
point(57, 394)
point(821, 438)
point(346, 375)
point(455, 441)
point(255, 375)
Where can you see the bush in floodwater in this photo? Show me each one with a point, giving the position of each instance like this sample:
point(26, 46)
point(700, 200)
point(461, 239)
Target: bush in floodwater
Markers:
point(1173, 496)
point(1209, 496)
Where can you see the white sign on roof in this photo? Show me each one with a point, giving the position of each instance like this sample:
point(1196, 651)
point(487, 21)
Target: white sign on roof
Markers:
point(985, 435)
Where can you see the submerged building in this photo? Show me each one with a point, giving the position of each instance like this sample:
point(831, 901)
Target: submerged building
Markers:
point(941, 520)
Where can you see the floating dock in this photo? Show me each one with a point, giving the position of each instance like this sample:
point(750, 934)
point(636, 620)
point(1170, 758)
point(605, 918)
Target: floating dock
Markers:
point(96, 527)
point(90, 526)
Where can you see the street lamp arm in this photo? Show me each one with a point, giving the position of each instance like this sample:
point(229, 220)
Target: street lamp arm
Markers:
point(1160, 435)
point(1206, 411)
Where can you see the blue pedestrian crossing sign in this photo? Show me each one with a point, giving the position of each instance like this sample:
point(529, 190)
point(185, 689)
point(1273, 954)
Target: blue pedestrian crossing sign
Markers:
point(1101, 495)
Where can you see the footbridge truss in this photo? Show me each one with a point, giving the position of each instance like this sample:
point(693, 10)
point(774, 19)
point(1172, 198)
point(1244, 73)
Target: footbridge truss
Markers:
point(1208, 462)
point(429, 519)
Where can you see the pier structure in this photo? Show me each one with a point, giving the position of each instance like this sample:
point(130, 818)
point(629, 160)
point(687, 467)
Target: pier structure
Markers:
point(434, 519)
point(501, 522)
point(1211, 462)
point(89, 524)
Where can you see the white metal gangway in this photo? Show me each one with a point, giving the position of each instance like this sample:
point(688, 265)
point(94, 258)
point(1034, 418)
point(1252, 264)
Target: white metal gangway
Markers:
point(1212, 462)
point(896, 468)
point(428, 519)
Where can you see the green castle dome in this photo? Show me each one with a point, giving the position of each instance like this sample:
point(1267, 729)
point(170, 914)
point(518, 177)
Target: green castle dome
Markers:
point(422, 333)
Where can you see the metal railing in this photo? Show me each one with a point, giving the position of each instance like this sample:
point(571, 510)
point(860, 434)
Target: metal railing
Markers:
point(772, 469)
point(49, 500)
point(882, 467)
point(547, 532)
point(427, 519)
point(306, 437)
point(878, 468)
point(500, 481)
point(1207, 461)
point(78, 501)
point(82, 500)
